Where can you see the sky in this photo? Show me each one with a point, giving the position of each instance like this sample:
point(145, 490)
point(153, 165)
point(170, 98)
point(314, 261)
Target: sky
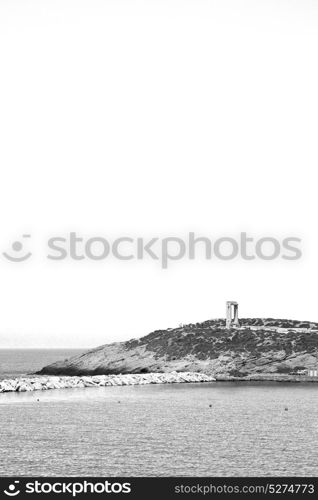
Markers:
point(154, 119)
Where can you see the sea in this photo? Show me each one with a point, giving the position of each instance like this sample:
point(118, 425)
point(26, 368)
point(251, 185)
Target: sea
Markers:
point(211, 429)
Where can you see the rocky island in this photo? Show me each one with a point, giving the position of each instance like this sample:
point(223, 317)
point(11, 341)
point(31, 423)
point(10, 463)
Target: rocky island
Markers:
point(231, 349)
point(253, 349)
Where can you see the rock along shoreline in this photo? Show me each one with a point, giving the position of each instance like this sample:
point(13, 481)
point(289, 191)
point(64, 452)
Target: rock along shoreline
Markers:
point(44, 383)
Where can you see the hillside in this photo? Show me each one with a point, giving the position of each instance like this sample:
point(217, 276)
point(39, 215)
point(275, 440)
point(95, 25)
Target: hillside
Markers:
point(259, 346)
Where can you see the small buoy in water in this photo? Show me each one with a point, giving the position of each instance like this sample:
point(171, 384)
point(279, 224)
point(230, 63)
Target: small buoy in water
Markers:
point(286, 409)
point(210, 406)
point(119, 401)
point(38, 400)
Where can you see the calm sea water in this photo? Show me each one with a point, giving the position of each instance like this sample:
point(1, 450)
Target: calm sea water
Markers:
point(161, 430)
point(21, 362)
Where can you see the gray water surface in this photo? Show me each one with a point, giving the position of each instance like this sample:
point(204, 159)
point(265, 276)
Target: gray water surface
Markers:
point(162, 430)
point(21, 362)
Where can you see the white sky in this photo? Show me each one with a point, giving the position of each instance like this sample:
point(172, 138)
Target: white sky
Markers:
point(155, 118)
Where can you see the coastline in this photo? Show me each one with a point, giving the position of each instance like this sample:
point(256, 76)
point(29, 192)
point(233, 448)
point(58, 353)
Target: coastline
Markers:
point(43, 383)
point(267, 377)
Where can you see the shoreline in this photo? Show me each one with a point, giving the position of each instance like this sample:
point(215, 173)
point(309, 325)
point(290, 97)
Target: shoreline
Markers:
point(43, 383)
point(267, 377)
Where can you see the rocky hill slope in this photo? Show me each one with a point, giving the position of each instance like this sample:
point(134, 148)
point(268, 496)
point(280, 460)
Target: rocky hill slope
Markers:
point(259, 346)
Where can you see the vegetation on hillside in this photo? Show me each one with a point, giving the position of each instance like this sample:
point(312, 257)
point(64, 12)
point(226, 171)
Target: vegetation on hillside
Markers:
point(208, 340)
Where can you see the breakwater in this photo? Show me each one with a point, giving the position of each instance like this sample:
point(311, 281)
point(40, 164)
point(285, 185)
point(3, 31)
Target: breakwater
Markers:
point(44, 383)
